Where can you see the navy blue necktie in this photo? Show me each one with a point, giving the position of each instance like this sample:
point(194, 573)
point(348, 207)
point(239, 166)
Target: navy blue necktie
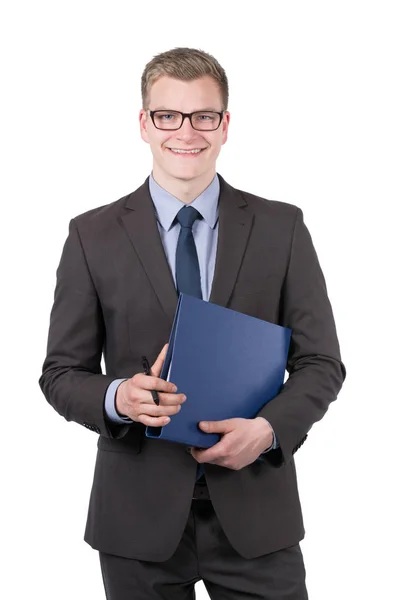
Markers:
point(187, 270)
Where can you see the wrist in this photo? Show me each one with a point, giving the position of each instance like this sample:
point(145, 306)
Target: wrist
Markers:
point(119, 402)
point(266, 435)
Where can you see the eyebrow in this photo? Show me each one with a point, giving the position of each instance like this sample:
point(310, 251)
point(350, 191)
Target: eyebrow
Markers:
point(198, 110)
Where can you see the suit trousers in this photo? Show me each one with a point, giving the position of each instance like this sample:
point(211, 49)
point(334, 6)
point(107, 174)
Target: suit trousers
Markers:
point(204, 553)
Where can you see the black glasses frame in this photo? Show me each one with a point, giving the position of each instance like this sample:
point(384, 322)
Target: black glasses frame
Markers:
point(184, 115)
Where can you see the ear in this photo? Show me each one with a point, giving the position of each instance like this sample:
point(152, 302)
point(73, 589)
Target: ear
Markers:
point(225, 124)
point(143, 125)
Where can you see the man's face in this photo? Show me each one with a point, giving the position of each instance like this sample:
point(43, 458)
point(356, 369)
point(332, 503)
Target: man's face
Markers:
point(187, 97)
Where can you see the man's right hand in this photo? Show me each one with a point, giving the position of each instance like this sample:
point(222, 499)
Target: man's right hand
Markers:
point(134, 399)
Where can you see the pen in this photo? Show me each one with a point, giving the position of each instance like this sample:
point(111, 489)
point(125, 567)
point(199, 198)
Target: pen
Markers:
point(146, 368)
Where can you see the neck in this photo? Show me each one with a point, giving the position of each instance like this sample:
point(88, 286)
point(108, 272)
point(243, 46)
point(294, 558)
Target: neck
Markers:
point(185, 190)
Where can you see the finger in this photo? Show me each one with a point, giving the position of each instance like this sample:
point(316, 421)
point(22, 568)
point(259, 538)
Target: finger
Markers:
point(200, 458)
point(153, 421)
point(223, 426)
point(171, 399)
point(150, 382)
point(154, 410)
point(166, 399)
point(157, 366)
point(216, 452)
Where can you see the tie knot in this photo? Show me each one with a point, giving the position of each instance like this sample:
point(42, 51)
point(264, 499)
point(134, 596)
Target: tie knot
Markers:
point(187, 216)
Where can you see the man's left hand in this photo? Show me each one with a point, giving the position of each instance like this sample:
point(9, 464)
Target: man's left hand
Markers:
point(242, 441)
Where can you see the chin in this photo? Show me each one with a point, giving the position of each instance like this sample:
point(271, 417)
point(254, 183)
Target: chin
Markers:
point(185, 175)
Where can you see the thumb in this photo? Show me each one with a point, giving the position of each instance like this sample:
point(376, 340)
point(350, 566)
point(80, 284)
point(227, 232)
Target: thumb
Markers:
point(157, 366)
point(214, 426)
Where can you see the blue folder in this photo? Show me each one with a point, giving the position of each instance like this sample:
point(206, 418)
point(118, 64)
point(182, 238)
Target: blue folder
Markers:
point(227, 363)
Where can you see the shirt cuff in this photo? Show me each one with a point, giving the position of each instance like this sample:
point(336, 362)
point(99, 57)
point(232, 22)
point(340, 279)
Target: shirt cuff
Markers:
point(109, 403)
point(275, 443)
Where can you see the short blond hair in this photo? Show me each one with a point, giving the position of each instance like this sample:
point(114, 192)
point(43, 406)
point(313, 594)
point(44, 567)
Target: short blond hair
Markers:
point(184, 64)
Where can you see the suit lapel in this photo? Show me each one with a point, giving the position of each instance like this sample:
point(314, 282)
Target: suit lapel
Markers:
point(140, 223)
point(235, 223)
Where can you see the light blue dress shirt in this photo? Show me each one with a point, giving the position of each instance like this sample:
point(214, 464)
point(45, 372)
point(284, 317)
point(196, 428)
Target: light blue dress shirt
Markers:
point(205, 234)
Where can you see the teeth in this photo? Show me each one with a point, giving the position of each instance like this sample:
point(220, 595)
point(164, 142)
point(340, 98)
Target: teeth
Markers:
point(186, 151)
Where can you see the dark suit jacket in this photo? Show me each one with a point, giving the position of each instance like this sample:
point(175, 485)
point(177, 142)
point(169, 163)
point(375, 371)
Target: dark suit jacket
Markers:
point(115, 294)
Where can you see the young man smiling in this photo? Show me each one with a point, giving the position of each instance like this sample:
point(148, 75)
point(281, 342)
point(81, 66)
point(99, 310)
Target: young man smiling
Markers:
point(184, 175)
point(163, 516)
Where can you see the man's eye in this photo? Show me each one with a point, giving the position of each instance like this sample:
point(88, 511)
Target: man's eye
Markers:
point(167, 116)
point(203, 117)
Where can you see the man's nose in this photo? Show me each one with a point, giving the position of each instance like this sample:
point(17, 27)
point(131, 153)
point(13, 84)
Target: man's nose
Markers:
point(186, 128)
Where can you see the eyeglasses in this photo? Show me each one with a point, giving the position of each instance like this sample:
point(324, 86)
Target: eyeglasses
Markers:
point(205, 120)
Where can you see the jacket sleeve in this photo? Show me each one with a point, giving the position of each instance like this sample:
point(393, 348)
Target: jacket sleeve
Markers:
point(71, 379)
point(316, 373)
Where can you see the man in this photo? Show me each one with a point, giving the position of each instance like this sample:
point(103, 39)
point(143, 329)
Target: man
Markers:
point(163, 516)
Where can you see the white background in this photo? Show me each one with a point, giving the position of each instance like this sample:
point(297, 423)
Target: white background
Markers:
point(315, 102)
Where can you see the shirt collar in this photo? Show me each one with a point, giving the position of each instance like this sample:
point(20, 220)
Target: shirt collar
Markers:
point(167, 206)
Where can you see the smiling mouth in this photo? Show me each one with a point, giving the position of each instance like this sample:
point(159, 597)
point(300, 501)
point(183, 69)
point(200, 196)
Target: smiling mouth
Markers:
point(183, 152)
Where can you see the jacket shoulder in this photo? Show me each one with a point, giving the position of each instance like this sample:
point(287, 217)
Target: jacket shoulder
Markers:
point(100, 213)
point(270, 207)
